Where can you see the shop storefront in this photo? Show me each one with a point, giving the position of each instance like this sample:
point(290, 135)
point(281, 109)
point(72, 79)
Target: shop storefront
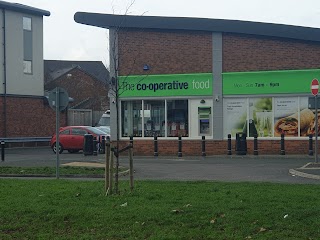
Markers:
point(266, 103)
point(269, 103)
point(166, 105)
point(211, 78)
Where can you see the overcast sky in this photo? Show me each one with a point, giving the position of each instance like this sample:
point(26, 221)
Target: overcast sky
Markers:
point(66, 40)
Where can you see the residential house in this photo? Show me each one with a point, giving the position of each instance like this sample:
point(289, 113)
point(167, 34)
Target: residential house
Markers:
point(24, 111)
point(86, 82)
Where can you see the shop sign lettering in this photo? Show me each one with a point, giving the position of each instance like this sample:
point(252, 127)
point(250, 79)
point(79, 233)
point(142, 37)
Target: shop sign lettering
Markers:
point(269, 82)
point(167, 85)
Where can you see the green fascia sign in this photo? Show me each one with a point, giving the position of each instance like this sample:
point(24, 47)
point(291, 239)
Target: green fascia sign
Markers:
point(166, 85)
point(269, 82)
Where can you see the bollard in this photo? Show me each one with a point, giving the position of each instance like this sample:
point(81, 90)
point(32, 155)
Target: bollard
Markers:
point(2, 150)
point(103, 145)
point(131, 142)
point(243, 144)
point(229, 144)
point(282, 151)
point(310, 145)
point(237, 146)
point(95, 147)
point(179, 146)
point(203, 146)
point(155, 140)
point(255, 144)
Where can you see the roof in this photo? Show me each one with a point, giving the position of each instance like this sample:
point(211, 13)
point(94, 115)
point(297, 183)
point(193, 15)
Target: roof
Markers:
point(198, 24)
point(54, 69)
point(17, 7)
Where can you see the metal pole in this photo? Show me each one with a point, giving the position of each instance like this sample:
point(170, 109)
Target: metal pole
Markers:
point(155, 141)
point(203, 146)
point(229, 144)
point(282, 151)
point(238, 146)
point(310, 145)
point(95, 143)
point(255, 144)
point(103, 145)
point(2, 150)
point(131, 168)
point(110, 188)
point(316, 128)
point(131, 142)
point(57, 132)
point(179, 147)
point(107, 167)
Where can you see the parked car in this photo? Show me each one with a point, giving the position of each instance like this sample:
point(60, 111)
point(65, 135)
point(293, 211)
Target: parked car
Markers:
point(71, 138)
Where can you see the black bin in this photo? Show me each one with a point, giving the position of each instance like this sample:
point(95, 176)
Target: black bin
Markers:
point(88, 144)
point(241, 143)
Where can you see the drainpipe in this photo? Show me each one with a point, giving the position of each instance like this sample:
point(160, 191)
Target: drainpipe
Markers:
point(4, 75)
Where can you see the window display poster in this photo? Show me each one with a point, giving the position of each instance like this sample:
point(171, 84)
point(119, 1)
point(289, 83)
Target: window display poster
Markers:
point(286, 117)
point(235, 115)
point(307, 119)
point(260, 117)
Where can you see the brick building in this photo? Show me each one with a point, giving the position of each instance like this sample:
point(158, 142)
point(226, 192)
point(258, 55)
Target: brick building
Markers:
point(85, 89)
point(195, 77)
point(24, 110)
point(87, 83)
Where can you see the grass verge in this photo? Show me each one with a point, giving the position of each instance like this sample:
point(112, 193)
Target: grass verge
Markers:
point(51, 171)
point(62, 209)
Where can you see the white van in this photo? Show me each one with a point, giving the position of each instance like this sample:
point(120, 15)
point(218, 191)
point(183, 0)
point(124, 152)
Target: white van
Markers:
point(105, 119)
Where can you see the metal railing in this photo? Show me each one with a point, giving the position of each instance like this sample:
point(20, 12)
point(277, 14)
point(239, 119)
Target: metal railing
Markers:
point(25, 139)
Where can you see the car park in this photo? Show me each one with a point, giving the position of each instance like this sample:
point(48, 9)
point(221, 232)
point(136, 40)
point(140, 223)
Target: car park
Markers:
point(71, 138)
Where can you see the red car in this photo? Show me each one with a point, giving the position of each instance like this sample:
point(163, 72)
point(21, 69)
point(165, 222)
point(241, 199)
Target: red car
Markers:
point(71, 138)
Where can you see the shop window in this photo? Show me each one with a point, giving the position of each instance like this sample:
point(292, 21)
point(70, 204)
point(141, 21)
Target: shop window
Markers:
point(131, 113)
point(154, 118)
point(177, 118)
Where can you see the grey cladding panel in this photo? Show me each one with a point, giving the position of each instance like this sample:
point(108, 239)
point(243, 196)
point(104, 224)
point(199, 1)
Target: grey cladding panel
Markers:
point(27, 45)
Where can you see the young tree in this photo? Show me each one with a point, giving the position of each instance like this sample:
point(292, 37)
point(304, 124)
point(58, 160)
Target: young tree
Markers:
point(116, 87)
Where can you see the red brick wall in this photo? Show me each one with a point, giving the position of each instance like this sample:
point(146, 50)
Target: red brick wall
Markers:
point(243, 53)
point(165, 52)
point(28, 117)
point(81, 86)
point(173, 52)
point(213, 147)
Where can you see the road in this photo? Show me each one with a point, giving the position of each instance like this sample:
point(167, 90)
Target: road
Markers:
point(213, 168)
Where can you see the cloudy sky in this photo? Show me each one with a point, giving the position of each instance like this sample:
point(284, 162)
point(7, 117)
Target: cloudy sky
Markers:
point(66, 40)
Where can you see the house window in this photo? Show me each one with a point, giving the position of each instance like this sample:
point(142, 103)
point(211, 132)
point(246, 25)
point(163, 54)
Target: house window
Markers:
point(27, 45)
point(27, 66)
point(27, 23)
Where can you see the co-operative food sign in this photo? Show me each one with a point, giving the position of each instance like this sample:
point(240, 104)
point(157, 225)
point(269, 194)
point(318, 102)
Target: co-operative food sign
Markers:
point(166, 85)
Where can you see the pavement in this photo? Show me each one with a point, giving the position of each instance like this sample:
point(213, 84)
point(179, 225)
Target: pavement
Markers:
point(270, 168)
point(310, 170)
